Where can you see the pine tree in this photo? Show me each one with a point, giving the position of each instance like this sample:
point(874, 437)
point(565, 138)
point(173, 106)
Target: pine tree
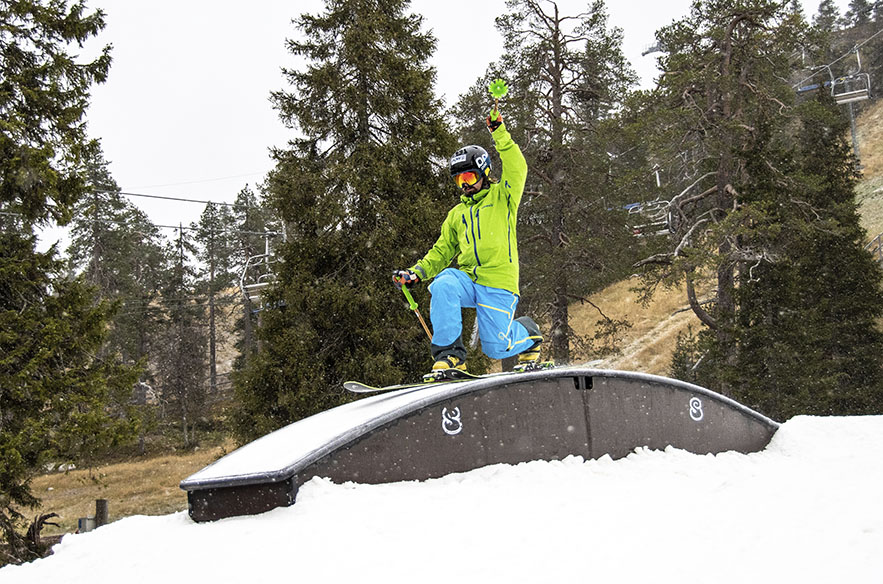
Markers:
point(362, 192)
point(257, 234)
point(215, 253)
point(570, 75)
point(181, 352)
point(859, 13)
point(722, 91)
point(807, 325)
point(253, 222)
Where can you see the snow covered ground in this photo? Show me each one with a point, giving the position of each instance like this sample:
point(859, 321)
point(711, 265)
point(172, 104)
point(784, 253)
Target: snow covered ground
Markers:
point(807, 509)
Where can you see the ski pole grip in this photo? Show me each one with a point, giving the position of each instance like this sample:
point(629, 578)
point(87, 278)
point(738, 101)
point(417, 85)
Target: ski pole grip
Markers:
point(411, 301)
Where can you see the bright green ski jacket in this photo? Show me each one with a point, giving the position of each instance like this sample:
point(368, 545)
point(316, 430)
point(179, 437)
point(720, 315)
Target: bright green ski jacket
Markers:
point(480, 231)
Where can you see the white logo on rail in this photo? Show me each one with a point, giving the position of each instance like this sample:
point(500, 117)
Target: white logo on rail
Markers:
point(696, 409)
point(451, 423)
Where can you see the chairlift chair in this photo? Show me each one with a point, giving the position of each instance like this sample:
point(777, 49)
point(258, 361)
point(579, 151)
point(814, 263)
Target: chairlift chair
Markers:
point(257, 274)
point(851, 88)
point(253, 285)
point(655, 213)
point(845, 89)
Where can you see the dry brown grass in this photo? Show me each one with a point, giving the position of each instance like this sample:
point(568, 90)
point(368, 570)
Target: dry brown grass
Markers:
point(648, 345)
point(145, 486)
point(870, 190)
point(869, 126)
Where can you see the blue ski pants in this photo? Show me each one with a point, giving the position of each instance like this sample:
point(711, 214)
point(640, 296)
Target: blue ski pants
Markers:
point(501, 336)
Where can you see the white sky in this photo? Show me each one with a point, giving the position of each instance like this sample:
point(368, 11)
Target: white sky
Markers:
point(186, 112)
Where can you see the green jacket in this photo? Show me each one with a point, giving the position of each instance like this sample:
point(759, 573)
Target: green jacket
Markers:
point(481, 233)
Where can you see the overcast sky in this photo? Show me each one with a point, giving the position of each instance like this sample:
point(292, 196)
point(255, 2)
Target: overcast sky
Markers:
point(185, 111)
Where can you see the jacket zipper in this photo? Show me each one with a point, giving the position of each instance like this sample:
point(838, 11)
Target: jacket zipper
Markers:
point(474, 242)
point(509, 224)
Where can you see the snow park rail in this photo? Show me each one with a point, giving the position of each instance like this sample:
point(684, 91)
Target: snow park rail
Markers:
point(434, 430)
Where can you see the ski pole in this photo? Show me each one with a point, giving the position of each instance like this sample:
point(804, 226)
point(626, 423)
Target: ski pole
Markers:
point(413, 304)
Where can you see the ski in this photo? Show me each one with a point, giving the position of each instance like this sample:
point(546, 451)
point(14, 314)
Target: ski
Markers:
point(442, 376)
point(359, 387)
point(446, 376)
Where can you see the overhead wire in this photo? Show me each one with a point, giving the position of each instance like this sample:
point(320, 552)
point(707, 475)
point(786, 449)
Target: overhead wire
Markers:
point(855, 48)
point(186, 200)
point(167, 198)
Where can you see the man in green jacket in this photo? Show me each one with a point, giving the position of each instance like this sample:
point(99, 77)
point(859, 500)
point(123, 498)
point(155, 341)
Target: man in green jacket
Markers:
point(481, 233)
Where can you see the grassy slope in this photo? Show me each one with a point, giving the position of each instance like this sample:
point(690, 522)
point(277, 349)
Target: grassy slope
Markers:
point(870, 190)
point(149, 486)
point(143, 486)
point(648, 345)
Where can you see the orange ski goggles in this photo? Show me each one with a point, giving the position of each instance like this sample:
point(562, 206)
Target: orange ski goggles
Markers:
point(467, 179)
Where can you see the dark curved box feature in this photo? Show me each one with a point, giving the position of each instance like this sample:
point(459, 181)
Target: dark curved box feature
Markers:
point(431, 431)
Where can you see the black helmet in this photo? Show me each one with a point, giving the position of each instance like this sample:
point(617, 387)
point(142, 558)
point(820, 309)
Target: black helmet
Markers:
point(471, 158)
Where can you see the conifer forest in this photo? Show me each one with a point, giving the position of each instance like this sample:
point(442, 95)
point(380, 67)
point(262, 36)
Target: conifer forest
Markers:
point(733, 178)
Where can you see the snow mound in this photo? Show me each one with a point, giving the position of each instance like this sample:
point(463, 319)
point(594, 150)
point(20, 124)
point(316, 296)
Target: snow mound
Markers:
point(805, 509)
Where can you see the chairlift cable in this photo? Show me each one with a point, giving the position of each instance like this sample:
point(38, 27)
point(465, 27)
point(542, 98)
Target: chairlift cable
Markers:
point(854, 49)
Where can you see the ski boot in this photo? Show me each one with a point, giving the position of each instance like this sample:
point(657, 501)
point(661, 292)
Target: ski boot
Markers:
point(529, 360)
point(445, 367)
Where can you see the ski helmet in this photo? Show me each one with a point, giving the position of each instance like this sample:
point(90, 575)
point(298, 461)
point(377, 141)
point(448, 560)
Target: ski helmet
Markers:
point(471, 158)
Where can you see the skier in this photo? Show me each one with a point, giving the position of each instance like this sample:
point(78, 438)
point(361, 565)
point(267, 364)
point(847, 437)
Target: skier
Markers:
point(481, 229)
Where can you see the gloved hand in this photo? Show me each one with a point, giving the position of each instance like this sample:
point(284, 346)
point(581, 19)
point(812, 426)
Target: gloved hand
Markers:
point(493, 121)
point(405, 278)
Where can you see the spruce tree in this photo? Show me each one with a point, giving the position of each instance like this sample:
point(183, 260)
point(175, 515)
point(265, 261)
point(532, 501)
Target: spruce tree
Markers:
point(362, 191)
point(55, 392)
point(44, 92)
point(119, 251)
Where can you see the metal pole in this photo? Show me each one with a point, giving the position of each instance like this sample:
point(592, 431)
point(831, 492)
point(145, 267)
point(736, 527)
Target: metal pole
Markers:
point(854, 134)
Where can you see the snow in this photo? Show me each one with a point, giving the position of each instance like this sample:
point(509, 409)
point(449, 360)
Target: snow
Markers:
point(806, 509)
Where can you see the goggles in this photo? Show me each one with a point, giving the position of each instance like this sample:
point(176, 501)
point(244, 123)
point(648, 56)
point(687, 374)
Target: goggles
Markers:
point(467, 179)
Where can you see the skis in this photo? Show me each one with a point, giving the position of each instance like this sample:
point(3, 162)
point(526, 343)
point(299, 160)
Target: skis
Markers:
point(446, 376)
point(442, 376)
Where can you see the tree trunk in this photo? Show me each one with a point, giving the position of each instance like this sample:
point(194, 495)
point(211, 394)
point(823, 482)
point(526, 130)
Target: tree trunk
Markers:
point(212, 333)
